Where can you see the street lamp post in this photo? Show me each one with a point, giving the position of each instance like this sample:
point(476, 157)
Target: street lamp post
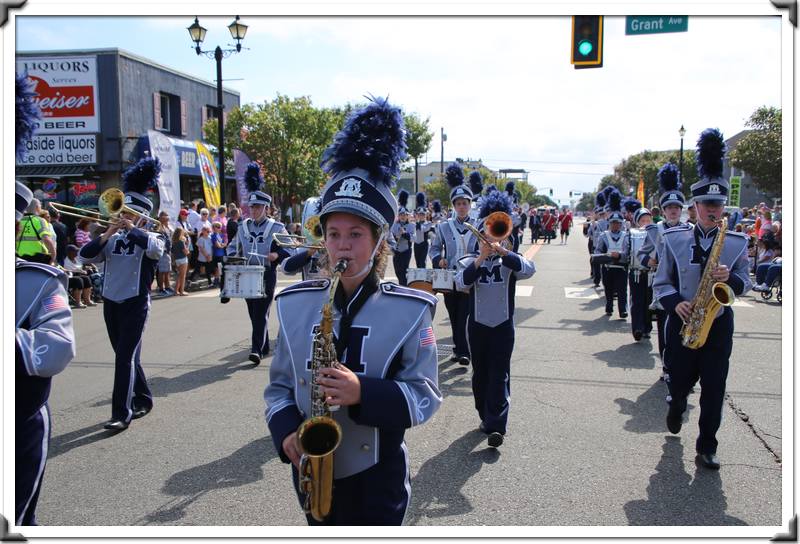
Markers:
point(441, 165)
point(198, 34)
point(682, 132)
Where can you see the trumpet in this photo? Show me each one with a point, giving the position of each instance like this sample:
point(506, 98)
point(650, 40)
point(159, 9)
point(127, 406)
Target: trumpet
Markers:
point(110, 203)
point(498, 224)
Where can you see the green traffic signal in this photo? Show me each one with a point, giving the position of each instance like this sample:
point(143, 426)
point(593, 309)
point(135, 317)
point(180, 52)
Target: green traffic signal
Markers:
point(585, 47)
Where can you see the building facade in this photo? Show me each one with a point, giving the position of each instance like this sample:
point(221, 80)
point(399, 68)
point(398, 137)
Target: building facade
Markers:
point(97, 108)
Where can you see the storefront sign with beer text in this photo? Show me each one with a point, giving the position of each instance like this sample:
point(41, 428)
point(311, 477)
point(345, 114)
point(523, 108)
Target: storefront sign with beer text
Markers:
point(73, 149)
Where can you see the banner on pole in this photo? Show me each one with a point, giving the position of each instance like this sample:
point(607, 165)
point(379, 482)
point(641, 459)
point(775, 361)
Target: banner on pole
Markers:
point(209, 172)
point(169, 183)
point(734, 193)
point(240, 162)
point(640, 190)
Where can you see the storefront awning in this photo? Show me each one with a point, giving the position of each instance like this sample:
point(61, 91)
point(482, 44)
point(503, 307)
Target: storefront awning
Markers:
point(59, 171)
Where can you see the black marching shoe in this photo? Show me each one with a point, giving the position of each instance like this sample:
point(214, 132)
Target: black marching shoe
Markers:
point(140, 412)
point(454, 358)
point(255, 358)
point(674, 421)
point(463, 361)
point(224, 300)
point(708, 460)
point(495, 440)
point(637, 335)
point(116, 425)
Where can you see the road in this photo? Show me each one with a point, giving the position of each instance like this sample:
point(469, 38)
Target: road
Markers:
point(587, 442)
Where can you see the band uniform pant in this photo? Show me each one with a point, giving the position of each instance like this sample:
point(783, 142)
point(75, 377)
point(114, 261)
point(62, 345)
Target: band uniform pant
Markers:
point(457, 305)
point(709, 364)
point(641, 297)
point(597, 272)
point(516, 235)
point(401, 260)
point(490, 351)
point(615, 282)
point(125, 322)
point(661, 320)
point(378, 495)
point(258, 309)
point(32, 441)
point(421, 253)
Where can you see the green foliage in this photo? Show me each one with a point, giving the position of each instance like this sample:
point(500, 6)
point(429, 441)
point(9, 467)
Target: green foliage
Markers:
point(541, 200)
point(586, 203)
point(437, 189)
point(759, 152)
point(287, 137)
point(647, 164)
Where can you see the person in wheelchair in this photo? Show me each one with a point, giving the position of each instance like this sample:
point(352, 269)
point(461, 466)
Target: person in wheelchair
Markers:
point(79, 279)
point(767, 272)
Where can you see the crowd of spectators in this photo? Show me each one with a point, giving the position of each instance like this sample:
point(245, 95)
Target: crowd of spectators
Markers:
point(762, 226)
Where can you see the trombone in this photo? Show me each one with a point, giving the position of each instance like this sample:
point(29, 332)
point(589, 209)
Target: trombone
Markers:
point(111, 203)
point(313, 239)
point(498, 224)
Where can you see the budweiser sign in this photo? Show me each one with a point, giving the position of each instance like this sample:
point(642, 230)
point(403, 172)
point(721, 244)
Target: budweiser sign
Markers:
point(66, 92)
point(75, 101)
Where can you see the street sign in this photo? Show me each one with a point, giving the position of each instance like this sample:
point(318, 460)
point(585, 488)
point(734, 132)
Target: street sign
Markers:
point(655, 24)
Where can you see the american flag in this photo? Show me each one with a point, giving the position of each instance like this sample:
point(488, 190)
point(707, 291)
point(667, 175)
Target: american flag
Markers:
point(56, 302)
point(426, 337)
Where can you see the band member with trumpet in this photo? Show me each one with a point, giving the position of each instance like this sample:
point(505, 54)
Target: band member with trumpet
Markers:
point(454, 240)
point(255, 244)
point(701, 268)
point(44, 340)
point(612, 252)
point(640, 277)
point(491, 276)
point(402, 232)
point(307, 259)
point(130, 254)
point(379, 363)
point(422, 228)
point(671, 202)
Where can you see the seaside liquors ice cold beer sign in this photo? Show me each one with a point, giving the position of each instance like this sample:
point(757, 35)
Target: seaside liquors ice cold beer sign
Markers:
point(66, 92)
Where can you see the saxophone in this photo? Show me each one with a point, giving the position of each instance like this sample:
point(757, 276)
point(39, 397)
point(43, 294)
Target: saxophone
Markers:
point(707, 301)
point(320, 434)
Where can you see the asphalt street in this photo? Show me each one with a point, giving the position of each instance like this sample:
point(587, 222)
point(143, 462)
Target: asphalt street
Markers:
point(587, 443)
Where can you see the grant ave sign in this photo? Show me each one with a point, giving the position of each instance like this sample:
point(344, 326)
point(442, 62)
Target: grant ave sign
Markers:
point(655, 24)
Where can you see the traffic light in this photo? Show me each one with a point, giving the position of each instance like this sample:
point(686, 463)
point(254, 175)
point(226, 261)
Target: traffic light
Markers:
point(587, 41)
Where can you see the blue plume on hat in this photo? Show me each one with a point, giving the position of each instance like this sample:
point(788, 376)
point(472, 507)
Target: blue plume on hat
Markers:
point(631, 205)
point(142, 175)
point(607, 190)
point(420, 199)
point(710, 152)
point(402, 198)
point(454, 175)
point(490, 188)
point(437, 206)
point(373, 138)
point(475, 182)
point(668, 178)
point(27, 112)
point(252, 177)
point(510, 188)
point(614, 200)
point(496, 201)
point(600, 199)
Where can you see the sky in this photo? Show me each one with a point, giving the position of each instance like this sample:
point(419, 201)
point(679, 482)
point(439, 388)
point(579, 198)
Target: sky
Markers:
point(503, 88)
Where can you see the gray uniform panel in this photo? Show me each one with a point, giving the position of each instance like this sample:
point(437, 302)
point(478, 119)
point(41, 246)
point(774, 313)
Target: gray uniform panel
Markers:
point(254, 241)
point(450, 240)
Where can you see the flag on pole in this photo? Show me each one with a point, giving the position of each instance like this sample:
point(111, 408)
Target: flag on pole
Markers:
point(640, 190)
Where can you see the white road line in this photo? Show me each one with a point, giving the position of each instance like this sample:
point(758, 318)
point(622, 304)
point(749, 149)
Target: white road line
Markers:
point(741, 304)
point(524, 290)
point(580, 292)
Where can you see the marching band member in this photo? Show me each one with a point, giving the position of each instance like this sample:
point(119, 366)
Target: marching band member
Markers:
point(305, 260)
point(516, 220)
point(422, 229)
point(599, 226)
point(453, 240)
point(491, 276)
point(639, 279)
point(476, 186)
point(254, 243)
point(44, 341)
point(682, 265)
point(629, 206)
point(403, 233)
point(671, 202)
point(387, 380)
point(130, 254)
point(614, 244)
point(437, 216)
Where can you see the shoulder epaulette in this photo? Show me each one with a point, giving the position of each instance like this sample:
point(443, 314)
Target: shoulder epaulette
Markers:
point(737, 234)
point(46, 268)
point(391, 288)
point(679, 228)
point(308, 285)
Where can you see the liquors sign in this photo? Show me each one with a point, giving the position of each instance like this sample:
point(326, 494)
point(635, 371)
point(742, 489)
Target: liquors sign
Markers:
point(66, 92)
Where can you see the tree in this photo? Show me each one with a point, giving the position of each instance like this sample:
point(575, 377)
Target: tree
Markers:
point(586, 203)
point(759, 152)
point(438, 189)
point(287, 137)
point(647, 164)
point(418, 141)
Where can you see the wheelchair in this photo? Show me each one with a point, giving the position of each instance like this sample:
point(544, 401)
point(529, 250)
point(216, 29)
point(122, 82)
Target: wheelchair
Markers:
point(774, 290)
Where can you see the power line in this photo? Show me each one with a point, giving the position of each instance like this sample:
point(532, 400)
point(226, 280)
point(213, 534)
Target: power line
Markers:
point(570, 173)
point(553, 162)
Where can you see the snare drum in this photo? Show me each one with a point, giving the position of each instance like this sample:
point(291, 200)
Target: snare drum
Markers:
point(242, 281)
point(443, 280)
point(420, 278)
